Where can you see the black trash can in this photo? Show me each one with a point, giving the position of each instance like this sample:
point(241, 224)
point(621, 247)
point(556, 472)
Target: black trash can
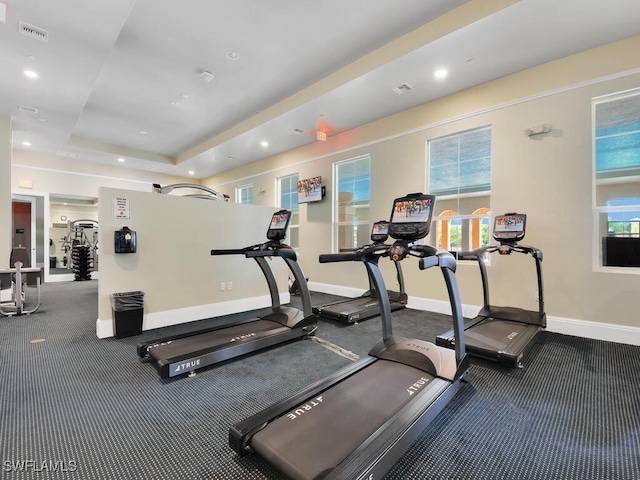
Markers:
point(128, 308)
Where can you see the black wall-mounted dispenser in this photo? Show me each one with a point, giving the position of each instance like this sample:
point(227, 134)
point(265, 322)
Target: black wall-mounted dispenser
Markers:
point(125, 240)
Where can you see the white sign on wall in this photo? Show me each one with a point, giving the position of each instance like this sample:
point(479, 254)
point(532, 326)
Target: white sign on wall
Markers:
point(121, 207)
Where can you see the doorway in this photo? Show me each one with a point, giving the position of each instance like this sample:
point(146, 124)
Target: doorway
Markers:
point(23, 232)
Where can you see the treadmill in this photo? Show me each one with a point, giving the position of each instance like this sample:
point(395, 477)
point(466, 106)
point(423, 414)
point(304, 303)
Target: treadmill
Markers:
point(357, 422)
point(503, 334)
point(185, 353)
point(366, 306)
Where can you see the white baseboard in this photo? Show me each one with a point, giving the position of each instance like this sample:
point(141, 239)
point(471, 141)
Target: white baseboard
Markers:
point(68, 277)
point(335, 289)
point(596, 330)
point(567, 326)
point(104, 328)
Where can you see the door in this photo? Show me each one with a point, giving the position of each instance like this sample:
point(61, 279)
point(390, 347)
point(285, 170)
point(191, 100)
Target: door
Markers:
point(23, 232)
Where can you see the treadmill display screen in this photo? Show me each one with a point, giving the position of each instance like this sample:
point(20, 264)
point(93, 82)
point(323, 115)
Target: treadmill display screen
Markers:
point(380, 231)
point(278, 226)
point(509, 227)
point(411, 216)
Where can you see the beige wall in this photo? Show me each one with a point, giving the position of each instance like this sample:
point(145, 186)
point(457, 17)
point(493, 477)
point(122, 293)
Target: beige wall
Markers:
point(5, 189)
point(173, 264)
point(548, 177)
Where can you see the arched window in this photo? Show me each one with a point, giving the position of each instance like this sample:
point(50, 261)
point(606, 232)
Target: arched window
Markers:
point(455, 232)
point(443, 229)
point(480, 228)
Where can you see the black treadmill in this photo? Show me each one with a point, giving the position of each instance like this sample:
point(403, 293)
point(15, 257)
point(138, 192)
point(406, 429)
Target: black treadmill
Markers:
point(180, 354)
point(367, 305)
point(357, 422)
point(503, 334)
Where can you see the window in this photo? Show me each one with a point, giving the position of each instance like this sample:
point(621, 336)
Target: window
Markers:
point(616, 137)
point(288, 198)
point(351, 203)
point(460, 177)
point(244, 194)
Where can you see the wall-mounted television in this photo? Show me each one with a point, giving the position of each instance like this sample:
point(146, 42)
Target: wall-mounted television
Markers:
point(310, 190)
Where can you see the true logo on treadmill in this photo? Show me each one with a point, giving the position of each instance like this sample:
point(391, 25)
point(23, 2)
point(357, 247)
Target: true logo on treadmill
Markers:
point(512, 335)
point(417, 385)
point(243, 337)
point(187, 365)
point(305, 408)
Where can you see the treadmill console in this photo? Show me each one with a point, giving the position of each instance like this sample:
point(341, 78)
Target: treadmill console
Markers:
point(509, 228)
point(411, 216)
point(380, 231)
point(278, 226)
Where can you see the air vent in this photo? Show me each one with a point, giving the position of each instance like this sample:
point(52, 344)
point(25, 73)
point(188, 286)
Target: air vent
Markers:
point(24, 108)
point(206, 76)
point(33, 32)
point(65, 154)
point(403, 88)
point(298, 130)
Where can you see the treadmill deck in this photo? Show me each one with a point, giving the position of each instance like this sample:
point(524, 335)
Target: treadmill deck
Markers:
point(229, 335)
point(313, 438)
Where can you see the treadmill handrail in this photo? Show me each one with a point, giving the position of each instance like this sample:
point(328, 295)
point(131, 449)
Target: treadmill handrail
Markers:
point(352, 256)
point(267, 249)
point(274, 249)
point(447, 263)
point(506, 249)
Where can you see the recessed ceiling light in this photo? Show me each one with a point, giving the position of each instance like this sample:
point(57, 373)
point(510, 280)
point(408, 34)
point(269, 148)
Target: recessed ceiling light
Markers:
point(176, 104)
point(440, 73)
point(143, 132)
point(264, 143)
point(231, 55)
point(191, 172)
point(121, 160)
point(30, 74)
point(184, 95)
point(40, 119)
point(26, 144)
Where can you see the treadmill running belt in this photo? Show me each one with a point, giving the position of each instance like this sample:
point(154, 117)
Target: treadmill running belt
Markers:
point(312, 439)
point(355, 305)
point(494, 333)
point(215, 338)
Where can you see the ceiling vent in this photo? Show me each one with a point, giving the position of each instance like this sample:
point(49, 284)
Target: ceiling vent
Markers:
point(403, 88)
point(65, 154)
point(33, 32)
point(206, 76)
point(24, 108)
point(298, 130)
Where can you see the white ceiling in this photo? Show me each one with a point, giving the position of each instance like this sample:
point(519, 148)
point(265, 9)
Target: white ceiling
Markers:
point(112, 68)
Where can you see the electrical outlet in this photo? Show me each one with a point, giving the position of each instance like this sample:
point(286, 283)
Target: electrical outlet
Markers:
point(536, 295)
point(229, 285)
point(223, 286)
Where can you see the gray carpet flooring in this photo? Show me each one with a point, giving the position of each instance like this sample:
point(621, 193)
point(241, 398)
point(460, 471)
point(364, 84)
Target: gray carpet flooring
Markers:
point(73, 406)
